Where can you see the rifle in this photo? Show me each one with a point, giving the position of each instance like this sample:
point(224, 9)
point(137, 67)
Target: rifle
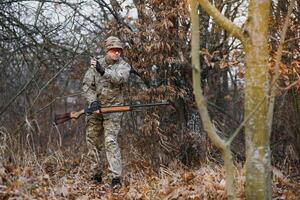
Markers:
point(62, 118)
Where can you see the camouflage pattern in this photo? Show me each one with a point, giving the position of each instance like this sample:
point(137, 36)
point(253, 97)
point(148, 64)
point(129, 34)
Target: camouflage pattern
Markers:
point(112, 126)
point(94, 128)
point(113, 42)
point(108, 89)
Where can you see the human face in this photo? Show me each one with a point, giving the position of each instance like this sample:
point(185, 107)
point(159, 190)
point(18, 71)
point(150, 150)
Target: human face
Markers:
point(114, 53)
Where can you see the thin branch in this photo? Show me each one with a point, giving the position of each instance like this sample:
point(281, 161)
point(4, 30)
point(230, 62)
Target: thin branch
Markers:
point(114, 14)
point(221, 110)
point(291, 85)
point(221, 20)
point(292, 39)
point(57, 98)
point(76, 10)
point(42, 88)
point(276, 68)
point(244, 122)
point(18, 94)
point(200, 99)
point(50, 81)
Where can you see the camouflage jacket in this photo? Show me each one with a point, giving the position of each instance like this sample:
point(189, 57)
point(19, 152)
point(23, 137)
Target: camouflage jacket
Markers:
point(109, 88)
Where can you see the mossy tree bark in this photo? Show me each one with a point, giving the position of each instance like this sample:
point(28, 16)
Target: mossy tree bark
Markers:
point(254, 37)
point(258, 176)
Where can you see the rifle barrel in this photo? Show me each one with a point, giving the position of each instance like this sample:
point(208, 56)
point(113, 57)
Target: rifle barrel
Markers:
point(149, 105)
point(138, 105)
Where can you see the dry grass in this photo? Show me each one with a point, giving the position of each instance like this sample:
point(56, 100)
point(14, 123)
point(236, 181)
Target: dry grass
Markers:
point(62, 177)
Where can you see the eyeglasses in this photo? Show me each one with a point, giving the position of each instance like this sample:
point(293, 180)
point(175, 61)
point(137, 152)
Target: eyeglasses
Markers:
point(115, 50)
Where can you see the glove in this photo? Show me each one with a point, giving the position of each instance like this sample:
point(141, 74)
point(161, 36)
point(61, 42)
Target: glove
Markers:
point(99, 68)
point(94, 106)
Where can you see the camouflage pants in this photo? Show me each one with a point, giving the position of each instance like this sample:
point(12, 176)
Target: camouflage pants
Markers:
point(109, 124)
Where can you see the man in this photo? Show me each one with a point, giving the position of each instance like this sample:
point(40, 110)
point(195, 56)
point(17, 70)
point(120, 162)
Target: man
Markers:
point(103, 84)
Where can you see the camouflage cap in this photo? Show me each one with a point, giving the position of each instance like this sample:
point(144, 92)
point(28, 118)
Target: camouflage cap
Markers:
point(113, 42)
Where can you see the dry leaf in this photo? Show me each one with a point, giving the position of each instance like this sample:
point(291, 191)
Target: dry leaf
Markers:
point(188, 176)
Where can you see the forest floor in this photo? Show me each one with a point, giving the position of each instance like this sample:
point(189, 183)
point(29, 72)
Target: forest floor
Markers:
point(62, 177)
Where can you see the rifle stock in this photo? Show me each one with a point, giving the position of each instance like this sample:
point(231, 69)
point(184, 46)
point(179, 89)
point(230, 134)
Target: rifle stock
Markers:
point(115, 109)
point(62, 118)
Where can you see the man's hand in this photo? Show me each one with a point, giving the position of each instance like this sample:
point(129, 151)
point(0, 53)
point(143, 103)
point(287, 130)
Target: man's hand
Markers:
point(95, 64)
point(94, 106)
point(99, 68)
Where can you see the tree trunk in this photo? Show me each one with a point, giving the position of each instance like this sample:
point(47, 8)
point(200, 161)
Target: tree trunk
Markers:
point(254, 37)
point(258, 176)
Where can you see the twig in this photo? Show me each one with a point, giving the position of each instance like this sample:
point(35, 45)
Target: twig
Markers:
point(221, 20)
point(44, 86)
point(223, 112)
point(18, 94)
point(291, 85)
point(244, 122)
point(276, 68)
point(57, 98)
point(292, 39)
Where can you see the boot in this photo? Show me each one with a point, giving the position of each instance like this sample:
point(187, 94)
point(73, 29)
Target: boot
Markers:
point(97, 177)
point(115, 183)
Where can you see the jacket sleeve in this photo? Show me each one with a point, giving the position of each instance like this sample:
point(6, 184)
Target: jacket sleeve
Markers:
point(88, 86)
point(119, 75)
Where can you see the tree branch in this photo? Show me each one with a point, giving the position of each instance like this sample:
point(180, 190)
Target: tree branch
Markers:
point(244, 123)
point(221, 20)
point(276, 68)
point(200, 100)
point(18, 94)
